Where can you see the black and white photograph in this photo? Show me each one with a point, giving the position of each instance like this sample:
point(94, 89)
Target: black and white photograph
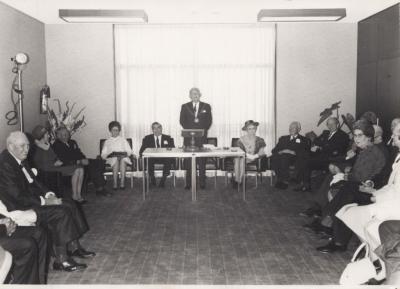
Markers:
point(196, 143)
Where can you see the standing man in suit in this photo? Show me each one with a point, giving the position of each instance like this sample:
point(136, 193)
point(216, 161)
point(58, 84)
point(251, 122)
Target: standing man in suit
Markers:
point(330, 146)
point(157, 140)
point(20, 190)
point(290, 149)
point(196, 115)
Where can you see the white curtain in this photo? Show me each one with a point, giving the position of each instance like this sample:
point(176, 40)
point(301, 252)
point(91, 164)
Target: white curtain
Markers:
point(232, 65)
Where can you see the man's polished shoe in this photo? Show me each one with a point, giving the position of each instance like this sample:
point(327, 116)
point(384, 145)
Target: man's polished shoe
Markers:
point(331, 248)
point(302, 189)
point(162, 182)
point(281, 185)
point(69, 265)
point(82, 253)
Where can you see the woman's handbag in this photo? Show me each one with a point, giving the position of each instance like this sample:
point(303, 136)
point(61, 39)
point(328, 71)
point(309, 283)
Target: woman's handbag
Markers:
point(358, 271)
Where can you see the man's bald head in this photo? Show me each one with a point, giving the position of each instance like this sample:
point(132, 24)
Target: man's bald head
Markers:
point(18, 145)
point(294, 128)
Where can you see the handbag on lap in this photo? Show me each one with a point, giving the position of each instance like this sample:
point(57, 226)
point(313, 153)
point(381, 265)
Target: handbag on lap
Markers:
point(359, 270)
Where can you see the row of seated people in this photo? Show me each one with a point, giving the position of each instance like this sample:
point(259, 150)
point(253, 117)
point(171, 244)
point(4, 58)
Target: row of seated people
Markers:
point(65, 156)
point(359, 193)
point(117, 151)
point(36, 224)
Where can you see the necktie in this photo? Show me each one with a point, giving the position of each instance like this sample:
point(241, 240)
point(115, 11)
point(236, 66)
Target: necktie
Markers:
point(158, 142)
point(195, 109)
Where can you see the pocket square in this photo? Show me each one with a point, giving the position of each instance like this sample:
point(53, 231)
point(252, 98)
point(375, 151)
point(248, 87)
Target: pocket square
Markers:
point(297, 140)
point(204, 111)
point(165, 142)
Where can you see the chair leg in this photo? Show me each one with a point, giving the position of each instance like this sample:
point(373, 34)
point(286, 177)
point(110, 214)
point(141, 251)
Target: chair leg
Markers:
point(174, 176)
point(215, 179)
point(131, 180)
point(226, 178)
point(256, 180)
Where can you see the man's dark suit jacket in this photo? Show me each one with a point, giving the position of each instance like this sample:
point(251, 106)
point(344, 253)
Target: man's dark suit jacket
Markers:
point(68, 154)
point(15, 191)
point(335, 146)
point(187, 117)
point(148, 141)
point(300, 145)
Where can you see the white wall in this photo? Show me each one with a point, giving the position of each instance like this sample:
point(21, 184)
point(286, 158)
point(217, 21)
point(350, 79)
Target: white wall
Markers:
point(80, 68)
point(21, 33)
point(316, 67)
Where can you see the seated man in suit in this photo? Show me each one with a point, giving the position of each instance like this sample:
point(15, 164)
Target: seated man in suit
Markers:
point(20, 190)
point(157, 140)
point(27, 245)
point(289, 150)
point(69, 153)
point(331, 145)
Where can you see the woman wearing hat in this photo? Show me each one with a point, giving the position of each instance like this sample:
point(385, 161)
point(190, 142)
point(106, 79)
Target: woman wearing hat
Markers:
point(252, 145)
point(368, 164)
point(45, 159)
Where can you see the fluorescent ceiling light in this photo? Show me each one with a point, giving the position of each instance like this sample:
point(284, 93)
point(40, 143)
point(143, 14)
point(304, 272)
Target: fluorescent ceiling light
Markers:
point(300, 15)
point(102, 16)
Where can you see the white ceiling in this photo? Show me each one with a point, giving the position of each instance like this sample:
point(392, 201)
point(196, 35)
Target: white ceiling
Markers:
point(197, 11)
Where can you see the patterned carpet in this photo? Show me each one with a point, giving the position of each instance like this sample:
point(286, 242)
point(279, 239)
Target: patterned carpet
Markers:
point(219, 239)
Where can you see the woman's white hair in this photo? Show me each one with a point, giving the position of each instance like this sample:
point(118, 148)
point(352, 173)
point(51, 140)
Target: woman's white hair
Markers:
point(395, 122)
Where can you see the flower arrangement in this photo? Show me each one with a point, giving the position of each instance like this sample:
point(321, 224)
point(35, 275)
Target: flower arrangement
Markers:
point(347, 119)
point(64, 119)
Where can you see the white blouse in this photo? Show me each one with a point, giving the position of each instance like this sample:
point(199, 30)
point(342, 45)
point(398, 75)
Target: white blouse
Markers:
point(116, 144)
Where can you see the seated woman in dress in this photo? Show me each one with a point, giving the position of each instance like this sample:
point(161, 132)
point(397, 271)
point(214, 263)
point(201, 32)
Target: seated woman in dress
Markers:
point(365, 220)
point(116, 151)
point(252, 145)
point(45, 159)
point(368, 164)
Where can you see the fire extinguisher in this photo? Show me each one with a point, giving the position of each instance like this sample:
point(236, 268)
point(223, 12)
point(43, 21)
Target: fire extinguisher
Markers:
point(44, 96)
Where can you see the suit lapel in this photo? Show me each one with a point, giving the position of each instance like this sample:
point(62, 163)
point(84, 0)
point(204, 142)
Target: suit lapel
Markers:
point(17, 169)
point(200, 106)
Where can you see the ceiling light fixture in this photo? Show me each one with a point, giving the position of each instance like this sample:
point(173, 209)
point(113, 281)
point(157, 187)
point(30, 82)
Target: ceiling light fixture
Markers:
point(103, 16)
point(301, 15)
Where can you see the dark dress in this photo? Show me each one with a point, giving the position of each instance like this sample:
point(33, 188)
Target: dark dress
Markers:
point(69, 153)
point(44, 160)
